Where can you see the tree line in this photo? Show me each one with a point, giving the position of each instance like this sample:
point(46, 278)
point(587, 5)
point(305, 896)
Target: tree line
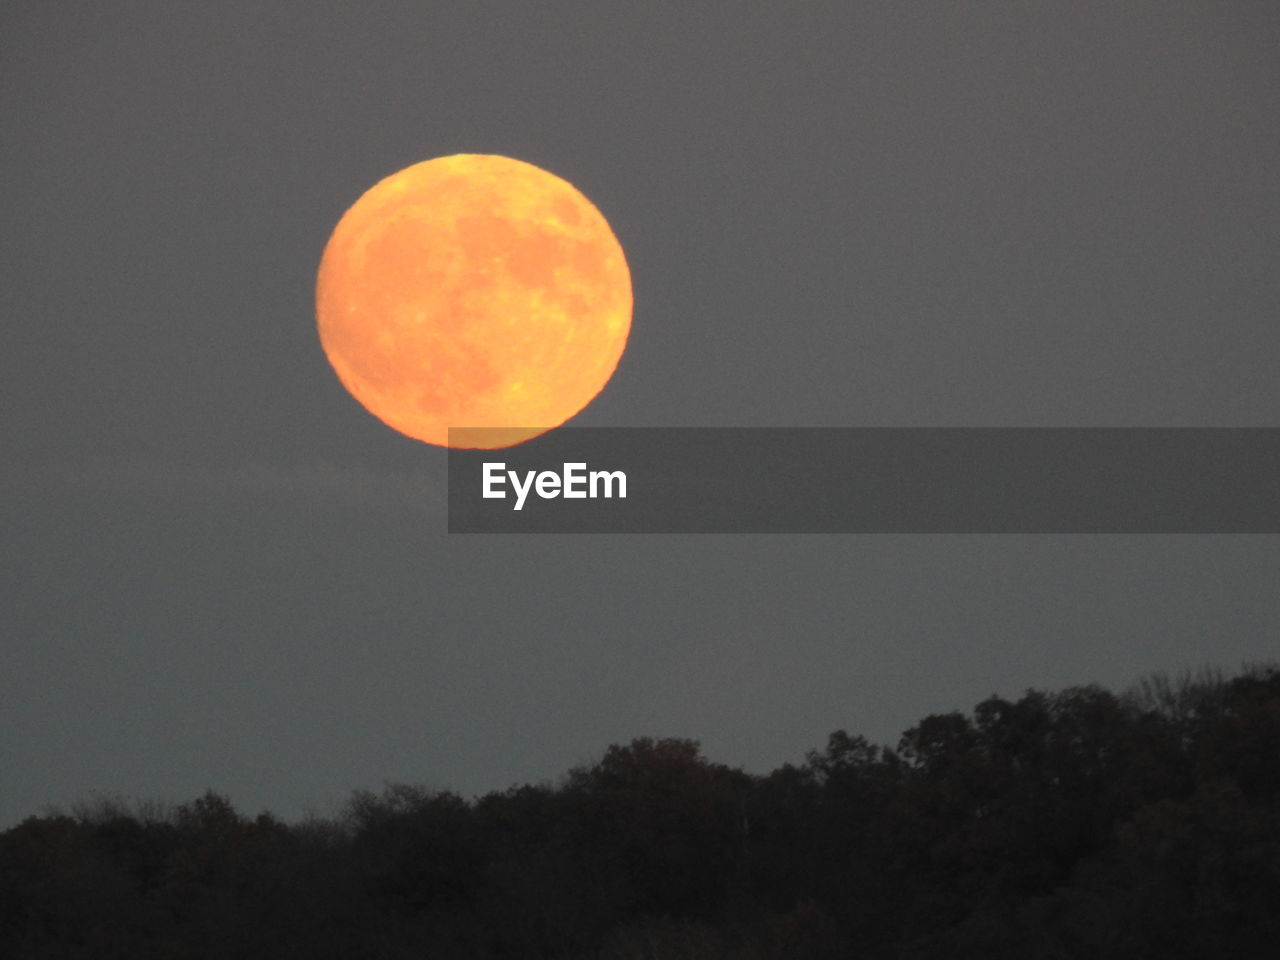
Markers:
point(1078, 823)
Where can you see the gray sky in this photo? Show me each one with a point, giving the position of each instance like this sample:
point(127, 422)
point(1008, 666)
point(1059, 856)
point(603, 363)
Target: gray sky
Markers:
point(220, 571)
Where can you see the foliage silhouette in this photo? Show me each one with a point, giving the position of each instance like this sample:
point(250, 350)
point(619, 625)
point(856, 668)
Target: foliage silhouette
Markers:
point(1077, 823)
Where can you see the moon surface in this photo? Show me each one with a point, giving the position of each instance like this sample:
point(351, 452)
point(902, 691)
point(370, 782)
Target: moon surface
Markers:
point(473, 291)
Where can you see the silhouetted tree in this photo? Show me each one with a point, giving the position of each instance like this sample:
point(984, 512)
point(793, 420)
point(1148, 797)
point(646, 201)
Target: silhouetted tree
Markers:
point(1055, 825)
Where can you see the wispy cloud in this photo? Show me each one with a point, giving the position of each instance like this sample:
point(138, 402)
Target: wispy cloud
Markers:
point(318, 483)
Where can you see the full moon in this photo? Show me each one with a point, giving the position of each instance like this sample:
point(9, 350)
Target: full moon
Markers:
point(473, 291)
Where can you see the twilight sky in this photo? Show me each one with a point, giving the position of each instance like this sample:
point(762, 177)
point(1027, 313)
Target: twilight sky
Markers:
point(220, 571)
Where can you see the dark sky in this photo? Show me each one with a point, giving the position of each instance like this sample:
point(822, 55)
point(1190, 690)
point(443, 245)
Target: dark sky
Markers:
point(220, 571)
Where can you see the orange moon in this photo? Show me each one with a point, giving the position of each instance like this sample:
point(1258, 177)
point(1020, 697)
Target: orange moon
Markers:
point(473, 291)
